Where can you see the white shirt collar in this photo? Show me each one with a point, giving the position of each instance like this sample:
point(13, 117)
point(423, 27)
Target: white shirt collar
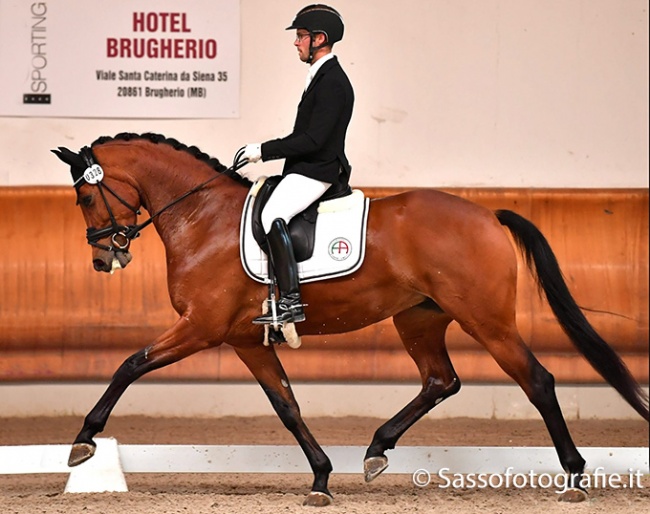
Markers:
point(313, 69)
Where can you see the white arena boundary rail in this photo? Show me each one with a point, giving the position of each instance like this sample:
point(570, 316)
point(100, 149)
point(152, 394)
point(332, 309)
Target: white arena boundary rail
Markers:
point(105, 471)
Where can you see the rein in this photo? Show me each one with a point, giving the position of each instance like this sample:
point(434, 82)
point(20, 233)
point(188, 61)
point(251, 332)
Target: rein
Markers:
point(122, 235)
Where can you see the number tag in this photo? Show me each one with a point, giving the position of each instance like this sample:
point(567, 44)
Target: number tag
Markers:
point(94, 174)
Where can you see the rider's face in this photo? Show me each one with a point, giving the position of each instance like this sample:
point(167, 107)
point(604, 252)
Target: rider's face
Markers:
point(302, 43)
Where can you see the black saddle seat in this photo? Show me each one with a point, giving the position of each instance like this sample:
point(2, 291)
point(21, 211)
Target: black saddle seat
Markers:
point(302, 227)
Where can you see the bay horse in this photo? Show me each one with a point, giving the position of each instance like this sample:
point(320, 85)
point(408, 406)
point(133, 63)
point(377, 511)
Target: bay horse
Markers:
point(431, 258)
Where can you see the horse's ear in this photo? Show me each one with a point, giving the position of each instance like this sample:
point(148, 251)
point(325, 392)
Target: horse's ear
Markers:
point(68, 156)
point(76, 162)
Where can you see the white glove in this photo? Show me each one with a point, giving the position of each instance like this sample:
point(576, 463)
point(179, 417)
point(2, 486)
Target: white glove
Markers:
point(252, 152)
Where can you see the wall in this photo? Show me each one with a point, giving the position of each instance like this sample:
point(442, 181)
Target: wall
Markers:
point(462, 93)
point(61, 320)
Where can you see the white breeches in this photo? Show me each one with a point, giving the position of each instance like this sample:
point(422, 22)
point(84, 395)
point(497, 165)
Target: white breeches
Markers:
point(293, 194)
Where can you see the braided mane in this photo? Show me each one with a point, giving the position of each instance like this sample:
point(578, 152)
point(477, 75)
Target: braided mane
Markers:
point(177, 145)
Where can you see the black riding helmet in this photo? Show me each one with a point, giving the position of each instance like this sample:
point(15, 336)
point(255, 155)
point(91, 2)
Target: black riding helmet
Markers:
point(319, 18)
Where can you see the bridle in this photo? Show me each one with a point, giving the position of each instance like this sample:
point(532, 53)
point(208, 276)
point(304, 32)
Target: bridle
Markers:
point(122, 235)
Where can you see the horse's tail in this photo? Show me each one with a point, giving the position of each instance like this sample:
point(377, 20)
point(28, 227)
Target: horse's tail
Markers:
point(544, 266)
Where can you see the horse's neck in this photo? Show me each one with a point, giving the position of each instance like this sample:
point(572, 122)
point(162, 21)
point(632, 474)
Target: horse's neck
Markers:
point(164, 184)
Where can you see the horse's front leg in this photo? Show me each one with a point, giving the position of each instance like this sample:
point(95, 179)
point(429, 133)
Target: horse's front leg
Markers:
point(422, 330)
point(267, 369)
point(175, 344)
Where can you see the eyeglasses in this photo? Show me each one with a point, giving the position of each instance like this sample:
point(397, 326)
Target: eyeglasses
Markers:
point(300, 37)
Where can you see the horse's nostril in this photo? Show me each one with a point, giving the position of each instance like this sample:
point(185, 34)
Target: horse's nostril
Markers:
point(99, 265)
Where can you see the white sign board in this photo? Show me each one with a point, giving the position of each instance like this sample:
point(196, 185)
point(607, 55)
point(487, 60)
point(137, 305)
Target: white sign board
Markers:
point(120, 59)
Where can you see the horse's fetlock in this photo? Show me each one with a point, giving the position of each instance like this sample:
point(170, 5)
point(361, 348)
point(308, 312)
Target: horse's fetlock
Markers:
point(323, 466)
point(386, 438)
point(575, 466)
point(92, 426)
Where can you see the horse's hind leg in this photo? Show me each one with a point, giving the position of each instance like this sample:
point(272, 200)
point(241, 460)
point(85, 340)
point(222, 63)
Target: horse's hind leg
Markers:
point(175, 344)
point(481, 296)
point(422, 330)
point(267, 369)
point(517, 360)
point(494, 327)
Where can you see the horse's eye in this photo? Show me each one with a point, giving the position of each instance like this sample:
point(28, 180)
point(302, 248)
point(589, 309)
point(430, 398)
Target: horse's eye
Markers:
point(86, 200)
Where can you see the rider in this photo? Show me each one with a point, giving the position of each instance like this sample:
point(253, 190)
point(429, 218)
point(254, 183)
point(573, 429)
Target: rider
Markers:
point(314, 152)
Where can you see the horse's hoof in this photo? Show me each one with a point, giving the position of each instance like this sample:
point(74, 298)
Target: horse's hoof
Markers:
point(573, 495)
point(373, 467)
point(318, 499)
point(81, 452)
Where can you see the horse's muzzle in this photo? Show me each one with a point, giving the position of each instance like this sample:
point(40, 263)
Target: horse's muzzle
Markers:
point(110, 261)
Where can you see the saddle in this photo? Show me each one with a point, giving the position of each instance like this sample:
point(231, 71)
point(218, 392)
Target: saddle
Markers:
point(302, 227)
point(328, 238)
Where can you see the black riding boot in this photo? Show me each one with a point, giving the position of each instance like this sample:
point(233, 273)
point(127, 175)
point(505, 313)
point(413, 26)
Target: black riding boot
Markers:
point(289, 308)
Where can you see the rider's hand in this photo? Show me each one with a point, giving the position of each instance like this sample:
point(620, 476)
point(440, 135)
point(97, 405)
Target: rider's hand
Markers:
point(252, 152)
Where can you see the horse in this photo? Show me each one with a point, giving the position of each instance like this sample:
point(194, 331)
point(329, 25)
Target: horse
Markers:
point(431, 258)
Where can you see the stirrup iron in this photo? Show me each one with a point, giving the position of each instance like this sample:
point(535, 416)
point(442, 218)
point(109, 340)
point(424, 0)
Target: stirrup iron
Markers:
point(287, 310)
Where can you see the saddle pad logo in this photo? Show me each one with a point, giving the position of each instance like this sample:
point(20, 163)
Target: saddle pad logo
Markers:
point(340, 249)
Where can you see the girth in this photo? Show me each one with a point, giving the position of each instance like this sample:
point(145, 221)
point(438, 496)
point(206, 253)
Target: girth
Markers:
point(302, 227)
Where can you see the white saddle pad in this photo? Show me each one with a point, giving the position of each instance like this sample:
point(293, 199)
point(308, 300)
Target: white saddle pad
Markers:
point(339, 246)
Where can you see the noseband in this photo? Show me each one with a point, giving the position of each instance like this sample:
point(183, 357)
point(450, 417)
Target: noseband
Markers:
point(122, 235)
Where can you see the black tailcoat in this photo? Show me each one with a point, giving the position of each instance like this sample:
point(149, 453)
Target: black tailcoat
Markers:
point(316, 147)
